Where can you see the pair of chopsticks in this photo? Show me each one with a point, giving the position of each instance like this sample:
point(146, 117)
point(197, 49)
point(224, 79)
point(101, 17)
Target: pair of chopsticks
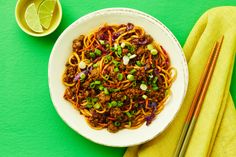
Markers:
point(198, 100)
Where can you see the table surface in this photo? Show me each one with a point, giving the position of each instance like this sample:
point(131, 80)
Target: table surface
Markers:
point(29, 124)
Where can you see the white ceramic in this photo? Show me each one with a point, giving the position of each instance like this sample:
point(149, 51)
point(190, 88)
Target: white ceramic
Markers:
point(86, 24)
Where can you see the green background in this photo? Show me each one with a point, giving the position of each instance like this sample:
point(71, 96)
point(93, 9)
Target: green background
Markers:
point(29, 124)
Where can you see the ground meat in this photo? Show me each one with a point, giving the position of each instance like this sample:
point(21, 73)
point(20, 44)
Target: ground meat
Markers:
point(117, 95)
point(86, 84)
point(94, 74)
point(112, 128)
point(133, 92)
point(140, 74)
point(115, 112)
point(140, 51)
point(78, 43)
point(104, 98)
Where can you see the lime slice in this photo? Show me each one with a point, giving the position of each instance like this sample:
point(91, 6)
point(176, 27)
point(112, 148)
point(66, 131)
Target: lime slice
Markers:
point(45, 12)
point(32, 18)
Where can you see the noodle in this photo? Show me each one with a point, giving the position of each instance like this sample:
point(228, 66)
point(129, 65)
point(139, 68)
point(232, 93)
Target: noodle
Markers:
point(118, 77)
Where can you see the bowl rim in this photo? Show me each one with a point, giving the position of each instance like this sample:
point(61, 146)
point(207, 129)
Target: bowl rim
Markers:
point(19, 22)
point(104, 11)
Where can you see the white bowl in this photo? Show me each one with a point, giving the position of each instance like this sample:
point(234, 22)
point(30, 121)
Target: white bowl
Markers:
point(62, 49)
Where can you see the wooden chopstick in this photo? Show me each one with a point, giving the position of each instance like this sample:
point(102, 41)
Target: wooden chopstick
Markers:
point(198, 100)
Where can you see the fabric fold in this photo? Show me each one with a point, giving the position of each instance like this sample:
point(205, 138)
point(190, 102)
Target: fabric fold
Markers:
point(208, 29)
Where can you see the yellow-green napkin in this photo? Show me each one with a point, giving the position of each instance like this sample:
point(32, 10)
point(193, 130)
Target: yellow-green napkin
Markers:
point(215, 130)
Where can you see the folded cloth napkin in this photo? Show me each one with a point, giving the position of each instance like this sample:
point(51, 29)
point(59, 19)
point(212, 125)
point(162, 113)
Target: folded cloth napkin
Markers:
point(215, 131)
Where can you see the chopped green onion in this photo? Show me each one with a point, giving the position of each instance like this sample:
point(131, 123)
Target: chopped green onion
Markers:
point(94, 100)
point(150, 47)
point(119, 103)
point(144, 96)
point(154, 52)
point(91, 54)
point(128, 114)
point(132, 56)
point(155, 87)
point(119, 50)
point(150, 76)
point(130, 77)
point(95, 65)
point(116, 63)
point(129, 54)
point(107, 45)
point(102, 42)
point(122, 44)
point(114, 103)
point(107, 77)
point(139, 63)
point(92, 85)
point(115, 46)
point(97, 106)
point(116, 69)
point(116, 123)
point(112, 49)
point(97, 82)
point(98, 52)
point(106, 91)
point(132, 71)
point(109, 105)
point(108, 57)
point(125, 97)
point(129, 123)
point(143, 87)
point(125, 60)
point(89, 105)
point(155, 79)
point(120, 76)
point(88, 99)
point(82, 65)
point(106, 60)
point(134, 83)
point(132, 112)
point(101, 87)
point(82, 76)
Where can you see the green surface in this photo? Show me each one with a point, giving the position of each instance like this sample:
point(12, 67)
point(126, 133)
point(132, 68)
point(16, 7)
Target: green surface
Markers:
point(29, 124)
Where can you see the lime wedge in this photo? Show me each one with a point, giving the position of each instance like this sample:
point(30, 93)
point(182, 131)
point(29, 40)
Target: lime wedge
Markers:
point(45, 12)
point(32, 18)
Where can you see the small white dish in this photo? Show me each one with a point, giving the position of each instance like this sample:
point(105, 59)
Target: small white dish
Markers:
point(86, 24)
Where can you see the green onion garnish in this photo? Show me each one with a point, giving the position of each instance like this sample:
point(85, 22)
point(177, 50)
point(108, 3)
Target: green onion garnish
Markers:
point(132, 71)
point(101, 87)
point(144, 96)
point(96, 106)
point(155, 87)
point(106, 91)
point(120, 76)
point(143, 86)
point(128, 114)
point(98, 52)
point(91, 54)
point(116, 123)
point(130, 77)
point(113, 103)
point(116, 69)
point(150, 47)
point(95, 65)
point(102, 42)
point(119, 103)
point(94, 100)
point(139, 63)
point(119, 50)
point(82, 76)
point(92, 85)
point(89, 105)
point(154, 52)
point(97, 82)
point(155, 79)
